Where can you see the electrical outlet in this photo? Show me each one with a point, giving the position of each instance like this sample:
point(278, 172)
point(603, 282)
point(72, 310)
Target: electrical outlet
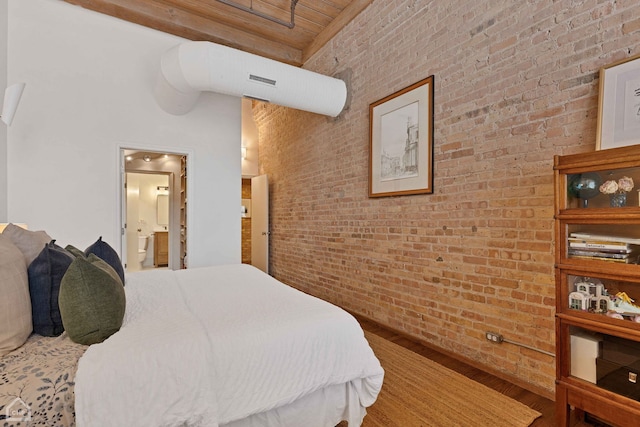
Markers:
point(493, 337)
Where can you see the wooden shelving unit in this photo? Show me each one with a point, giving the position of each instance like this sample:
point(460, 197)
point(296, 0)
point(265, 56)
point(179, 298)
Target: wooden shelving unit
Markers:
point(183, 212)
point(604, 379)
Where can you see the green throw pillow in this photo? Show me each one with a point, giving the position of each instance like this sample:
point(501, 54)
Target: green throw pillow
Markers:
point(75, 251)
point(92, 300)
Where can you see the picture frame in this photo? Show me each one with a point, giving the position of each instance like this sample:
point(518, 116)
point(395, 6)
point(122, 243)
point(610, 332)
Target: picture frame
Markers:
point(401, 142)
point(619, 104)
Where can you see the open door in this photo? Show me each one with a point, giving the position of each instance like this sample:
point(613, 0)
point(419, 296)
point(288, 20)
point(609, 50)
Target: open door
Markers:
point(260, 222)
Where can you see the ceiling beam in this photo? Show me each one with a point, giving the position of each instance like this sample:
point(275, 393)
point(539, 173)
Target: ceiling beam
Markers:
point(221, 13)
point(159, 16)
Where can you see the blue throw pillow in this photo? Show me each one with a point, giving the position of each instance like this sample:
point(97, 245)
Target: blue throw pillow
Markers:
point(105, 252)
point(45, 274)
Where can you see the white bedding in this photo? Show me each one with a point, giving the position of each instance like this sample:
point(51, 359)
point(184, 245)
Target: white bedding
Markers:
point(210, 346)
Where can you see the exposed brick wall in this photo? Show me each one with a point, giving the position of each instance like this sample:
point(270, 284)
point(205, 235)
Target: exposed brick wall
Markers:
point(246, 225)
point(516, 82)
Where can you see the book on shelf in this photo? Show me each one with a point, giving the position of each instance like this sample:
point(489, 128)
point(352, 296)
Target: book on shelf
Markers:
point(628, 260)
point(603, 247)
point(599, 254)
point(600, 245)
point(618, 240)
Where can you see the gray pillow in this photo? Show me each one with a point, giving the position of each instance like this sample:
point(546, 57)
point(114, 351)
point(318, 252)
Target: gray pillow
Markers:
point(30, 243)
point(92, 300)
point(15, 305)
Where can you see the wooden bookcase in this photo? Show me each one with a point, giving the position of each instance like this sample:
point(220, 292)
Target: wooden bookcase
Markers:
point(183, 212)
point(596, 368)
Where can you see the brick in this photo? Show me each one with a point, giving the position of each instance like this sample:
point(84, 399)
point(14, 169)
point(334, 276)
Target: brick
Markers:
point(515, 86)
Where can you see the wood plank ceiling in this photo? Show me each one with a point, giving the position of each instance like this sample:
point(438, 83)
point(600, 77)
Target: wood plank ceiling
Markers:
point(315, 22)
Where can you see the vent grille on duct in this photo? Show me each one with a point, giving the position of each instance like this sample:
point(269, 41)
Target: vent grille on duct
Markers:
point(262, 79)
point(193, 67)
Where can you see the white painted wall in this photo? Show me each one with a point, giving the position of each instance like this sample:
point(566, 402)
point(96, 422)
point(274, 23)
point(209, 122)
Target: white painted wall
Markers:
point(89, 91)
point(3, 130)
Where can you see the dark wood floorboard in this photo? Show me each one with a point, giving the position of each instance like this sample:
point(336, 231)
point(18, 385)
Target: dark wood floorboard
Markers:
point(541, 404)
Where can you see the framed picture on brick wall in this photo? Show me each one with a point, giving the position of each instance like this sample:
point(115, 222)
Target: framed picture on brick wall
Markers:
point(619, 104)
point(401, 142)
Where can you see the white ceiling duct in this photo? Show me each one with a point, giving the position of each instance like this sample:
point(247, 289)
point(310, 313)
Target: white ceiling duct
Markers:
point(193, 67)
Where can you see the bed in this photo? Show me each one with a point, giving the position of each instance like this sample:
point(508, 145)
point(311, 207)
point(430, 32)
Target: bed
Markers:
point(216, 346)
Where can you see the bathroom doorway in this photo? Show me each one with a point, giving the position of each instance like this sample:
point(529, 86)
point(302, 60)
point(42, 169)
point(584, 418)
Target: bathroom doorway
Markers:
point(147, 220)
point(153, 206)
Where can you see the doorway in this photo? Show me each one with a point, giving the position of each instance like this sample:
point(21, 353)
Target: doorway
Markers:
point(147, 220)
point(153, 210)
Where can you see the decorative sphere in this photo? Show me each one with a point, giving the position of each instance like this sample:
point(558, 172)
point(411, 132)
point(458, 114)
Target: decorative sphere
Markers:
point(585, 185)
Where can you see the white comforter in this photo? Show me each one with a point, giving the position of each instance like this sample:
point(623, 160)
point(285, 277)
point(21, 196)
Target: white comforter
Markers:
point(208, 346)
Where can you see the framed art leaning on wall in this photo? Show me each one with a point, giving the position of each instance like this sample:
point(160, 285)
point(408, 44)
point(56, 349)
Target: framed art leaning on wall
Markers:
point(401, 142)
point(619, 104)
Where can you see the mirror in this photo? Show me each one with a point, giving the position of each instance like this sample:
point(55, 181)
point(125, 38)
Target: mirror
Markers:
point(163, 209)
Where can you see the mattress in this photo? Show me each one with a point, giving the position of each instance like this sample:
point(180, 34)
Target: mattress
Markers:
point(213, 345)
point(38, 380)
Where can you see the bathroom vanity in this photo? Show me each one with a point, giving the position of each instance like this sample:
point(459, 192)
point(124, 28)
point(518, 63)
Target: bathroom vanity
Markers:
point(161, 249)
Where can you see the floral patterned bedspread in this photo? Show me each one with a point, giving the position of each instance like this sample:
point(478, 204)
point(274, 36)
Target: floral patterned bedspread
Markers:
point(37, 382)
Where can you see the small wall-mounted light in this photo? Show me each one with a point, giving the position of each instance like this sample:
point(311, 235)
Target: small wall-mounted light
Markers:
point(146, 158)
point(243, 151)
point(12, 96)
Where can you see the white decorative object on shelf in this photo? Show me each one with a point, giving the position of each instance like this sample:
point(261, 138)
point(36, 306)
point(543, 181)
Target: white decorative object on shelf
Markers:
point(246, 208)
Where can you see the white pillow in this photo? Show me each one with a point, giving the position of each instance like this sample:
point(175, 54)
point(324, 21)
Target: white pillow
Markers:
point(15, 303)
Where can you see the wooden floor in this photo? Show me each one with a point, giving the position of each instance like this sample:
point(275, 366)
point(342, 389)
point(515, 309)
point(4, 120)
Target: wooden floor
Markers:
point(541, 404)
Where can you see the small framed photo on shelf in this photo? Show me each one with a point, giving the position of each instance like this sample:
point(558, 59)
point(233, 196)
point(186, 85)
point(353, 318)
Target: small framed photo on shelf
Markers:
point(401, 142)
point(619, 104)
